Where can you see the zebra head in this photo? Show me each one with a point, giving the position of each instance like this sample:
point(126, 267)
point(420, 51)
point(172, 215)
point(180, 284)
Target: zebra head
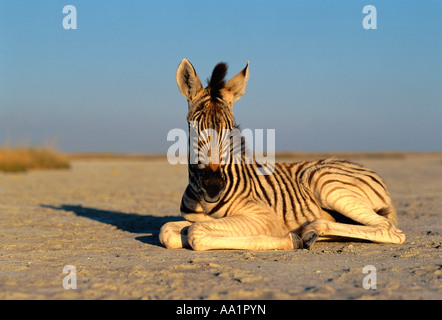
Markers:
point(211, 123)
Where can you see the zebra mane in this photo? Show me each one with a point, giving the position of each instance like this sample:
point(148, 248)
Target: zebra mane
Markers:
point(217, 82)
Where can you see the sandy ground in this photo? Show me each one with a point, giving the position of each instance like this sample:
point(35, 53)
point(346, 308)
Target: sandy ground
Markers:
point(103, 218)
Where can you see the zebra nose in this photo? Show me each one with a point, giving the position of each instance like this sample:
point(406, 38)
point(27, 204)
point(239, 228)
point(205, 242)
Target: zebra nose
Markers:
point(213, 166)
point(212, 185)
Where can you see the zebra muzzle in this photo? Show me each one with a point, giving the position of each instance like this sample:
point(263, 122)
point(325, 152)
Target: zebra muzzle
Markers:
point(212, 184)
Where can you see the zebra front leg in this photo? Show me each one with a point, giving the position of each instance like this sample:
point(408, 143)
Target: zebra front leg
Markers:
point(242, 232)
point(173, 235)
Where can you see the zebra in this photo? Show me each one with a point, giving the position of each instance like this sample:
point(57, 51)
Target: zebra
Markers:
point(231, 206)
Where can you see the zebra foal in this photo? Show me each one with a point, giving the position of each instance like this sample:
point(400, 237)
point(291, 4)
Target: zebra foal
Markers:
point(229, 205)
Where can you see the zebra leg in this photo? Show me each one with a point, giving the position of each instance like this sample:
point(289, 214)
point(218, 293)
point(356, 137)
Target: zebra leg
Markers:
point(173, 235)
point(242, 232)
point(322, 227)
point(374, 227)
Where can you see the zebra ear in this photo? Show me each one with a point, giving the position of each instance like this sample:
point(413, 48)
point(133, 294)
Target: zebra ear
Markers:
point(187, 80)
point(236, 87)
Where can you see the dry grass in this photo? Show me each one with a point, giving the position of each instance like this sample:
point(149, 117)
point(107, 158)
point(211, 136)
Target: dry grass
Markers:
point(115, 156)
point(21, 159)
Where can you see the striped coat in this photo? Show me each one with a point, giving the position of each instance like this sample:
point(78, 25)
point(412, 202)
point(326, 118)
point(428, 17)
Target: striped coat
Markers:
point(231, 206)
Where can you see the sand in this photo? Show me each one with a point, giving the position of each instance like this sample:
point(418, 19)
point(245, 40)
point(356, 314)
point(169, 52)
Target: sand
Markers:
point(103, 218)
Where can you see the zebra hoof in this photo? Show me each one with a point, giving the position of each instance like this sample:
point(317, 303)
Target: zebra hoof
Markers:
point(309, 239)
point(296, 240)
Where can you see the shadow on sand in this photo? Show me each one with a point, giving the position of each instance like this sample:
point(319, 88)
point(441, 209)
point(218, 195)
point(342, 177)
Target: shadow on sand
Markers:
point(130, 222)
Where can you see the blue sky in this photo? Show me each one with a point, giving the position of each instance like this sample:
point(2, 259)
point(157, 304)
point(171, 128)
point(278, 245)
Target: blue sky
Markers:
point(317, 77)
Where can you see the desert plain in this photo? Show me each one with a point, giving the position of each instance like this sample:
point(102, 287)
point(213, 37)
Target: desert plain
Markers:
point(102, 217)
